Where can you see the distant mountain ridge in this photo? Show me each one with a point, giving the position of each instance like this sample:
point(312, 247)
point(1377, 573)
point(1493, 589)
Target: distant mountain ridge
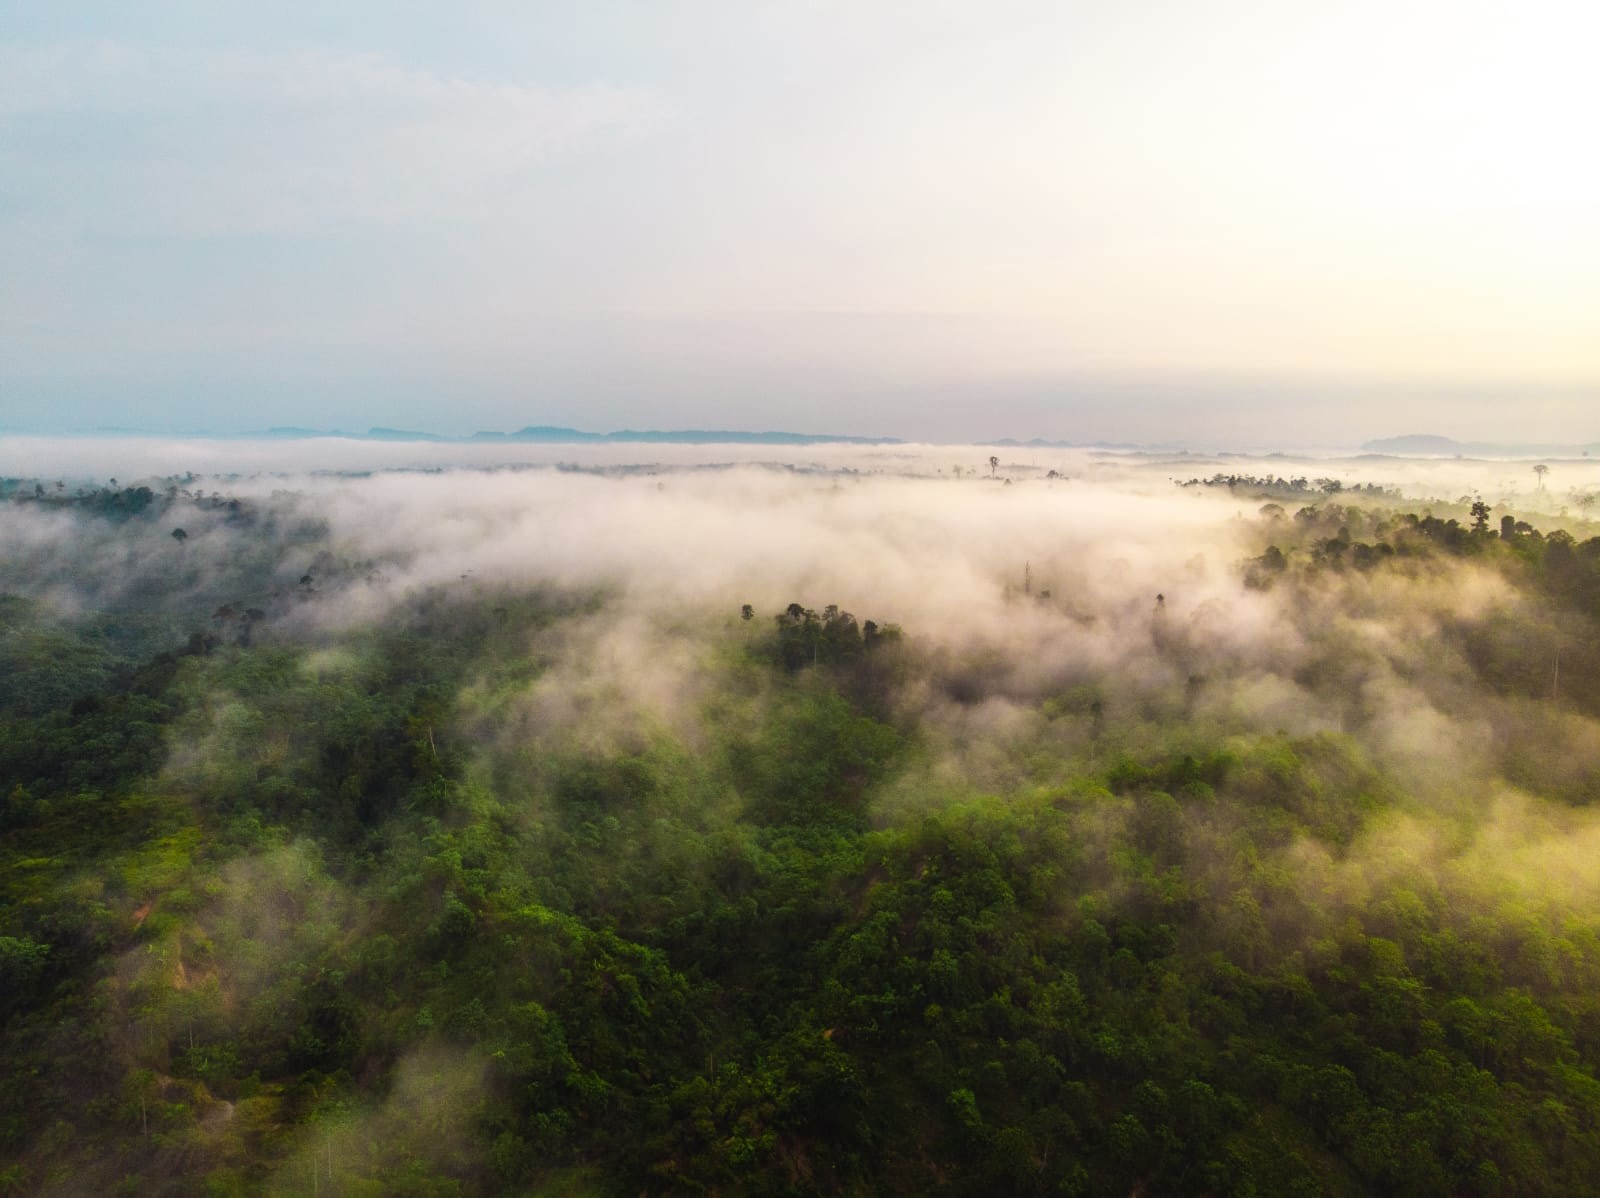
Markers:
point(1409, 445)
point(1433, 445)
point(552, 435)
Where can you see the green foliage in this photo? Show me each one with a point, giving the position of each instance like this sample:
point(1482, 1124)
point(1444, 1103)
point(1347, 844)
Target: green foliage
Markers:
point(289, 909)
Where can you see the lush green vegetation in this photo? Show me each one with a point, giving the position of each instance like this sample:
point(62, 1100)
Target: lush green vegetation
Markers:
point(408, 906)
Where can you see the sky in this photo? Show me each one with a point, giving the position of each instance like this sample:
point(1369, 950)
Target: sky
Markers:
point(1266, 224)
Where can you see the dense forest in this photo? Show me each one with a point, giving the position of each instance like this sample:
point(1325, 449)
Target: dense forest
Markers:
point(557, 833)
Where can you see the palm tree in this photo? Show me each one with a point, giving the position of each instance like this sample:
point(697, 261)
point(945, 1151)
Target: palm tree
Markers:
point(1541, 470)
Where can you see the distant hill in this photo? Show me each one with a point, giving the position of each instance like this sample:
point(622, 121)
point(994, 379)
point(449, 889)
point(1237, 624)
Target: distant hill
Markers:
point(554, 435)
point(1045, 443)
point(397, 434)
point(540, 432)
point(290, 432)
point(724, 436)
point(1432, 445)
point(1421, 443)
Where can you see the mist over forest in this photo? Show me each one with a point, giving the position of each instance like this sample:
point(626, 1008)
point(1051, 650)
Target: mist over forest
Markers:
point(447, 820)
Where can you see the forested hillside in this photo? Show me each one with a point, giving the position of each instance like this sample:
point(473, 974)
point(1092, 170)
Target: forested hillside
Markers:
point(1167, 844)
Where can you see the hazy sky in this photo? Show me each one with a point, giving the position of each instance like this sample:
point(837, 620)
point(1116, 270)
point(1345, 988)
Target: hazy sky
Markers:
point(1265, 222)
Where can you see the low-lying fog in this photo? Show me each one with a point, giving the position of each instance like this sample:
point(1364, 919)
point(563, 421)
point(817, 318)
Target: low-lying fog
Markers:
point(131, 459)
point(1032, 572)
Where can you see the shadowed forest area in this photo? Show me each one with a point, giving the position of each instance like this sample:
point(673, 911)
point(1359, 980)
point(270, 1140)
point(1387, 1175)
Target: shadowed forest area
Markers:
point(752, 832)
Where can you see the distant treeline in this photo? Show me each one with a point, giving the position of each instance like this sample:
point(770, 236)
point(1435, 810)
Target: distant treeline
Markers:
point(114, 502)
point(1335, 536)
point(1513, 652)
point(1271, 484)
